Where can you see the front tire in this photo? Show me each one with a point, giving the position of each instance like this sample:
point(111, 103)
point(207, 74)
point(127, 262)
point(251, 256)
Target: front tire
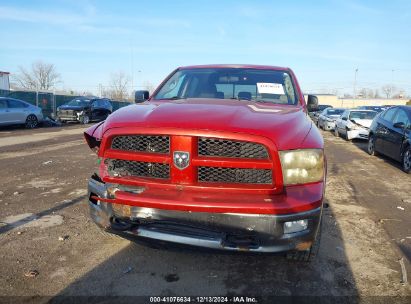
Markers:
point(307, 256)
point(85, 119)
point(371, 145)
point(336, 133)
point(31, 121)
point(406, 160)
point(346, 135)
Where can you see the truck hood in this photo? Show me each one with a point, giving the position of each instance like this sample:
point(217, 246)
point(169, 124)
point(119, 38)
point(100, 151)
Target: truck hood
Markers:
point(287, 126)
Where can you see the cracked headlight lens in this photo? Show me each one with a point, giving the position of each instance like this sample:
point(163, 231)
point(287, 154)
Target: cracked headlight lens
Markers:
point(302, 166)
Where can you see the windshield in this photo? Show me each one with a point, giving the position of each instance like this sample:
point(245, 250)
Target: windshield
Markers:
point(81, 102)
point(335, 111)
point(230, 83)
point(362, 114)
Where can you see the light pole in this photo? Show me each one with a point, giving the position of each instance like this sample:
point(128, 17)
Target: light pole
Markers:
point(355, 83)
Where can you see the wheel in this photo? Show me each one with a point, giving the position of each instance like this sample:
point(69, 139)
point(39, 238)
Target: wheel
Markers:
point(406, 160)
point(85, 119)
point(346, 135)
point(306, 255)
point(371, 145)
point(31, 121)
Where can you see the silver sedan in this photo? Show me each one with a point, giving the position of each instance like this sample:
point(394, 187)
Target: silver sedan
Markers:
point(15, 111)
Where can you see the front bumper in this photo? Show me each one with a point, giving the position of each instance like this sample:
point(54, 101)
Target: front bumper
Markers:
point(68, 117)
point(223, 231)
point(329, 125)
point(359, 133)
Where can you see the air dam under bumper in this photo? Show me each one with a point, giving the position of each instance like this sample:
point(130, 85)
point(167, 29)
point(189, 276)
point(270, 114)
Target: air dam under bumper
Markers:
point(223, 231)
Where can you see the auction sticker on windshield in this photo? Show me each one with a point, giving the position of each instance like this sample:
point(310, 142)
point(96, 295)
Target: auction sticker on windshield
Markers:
point(270, 88)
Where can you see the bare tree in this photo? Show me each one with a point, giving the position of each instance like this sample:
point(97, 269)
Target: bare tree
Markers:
point(387, 89)
point(118, 86)
point(41, 76)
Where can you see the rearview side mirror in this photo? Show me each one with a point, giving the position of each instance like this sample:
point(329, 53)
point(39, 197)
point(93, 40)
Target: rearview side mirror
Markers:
point(399, 125)
point(141, 96)
point(312, 103)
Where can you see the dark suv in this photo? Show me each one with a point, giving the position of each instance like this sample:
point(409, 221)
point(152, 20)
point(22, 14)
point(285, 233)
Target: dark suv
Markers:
point(85, 109)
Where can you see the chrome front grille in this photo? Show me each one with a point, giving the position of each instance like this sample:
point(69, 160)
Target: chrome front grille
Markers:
point(234, 175)
point(142, 143)
point(230, 148)
point(119, 168)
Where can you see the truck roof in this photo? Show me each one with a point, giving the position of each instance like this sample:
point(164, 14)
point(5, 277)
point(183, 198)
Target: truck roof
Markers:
point(235, 66)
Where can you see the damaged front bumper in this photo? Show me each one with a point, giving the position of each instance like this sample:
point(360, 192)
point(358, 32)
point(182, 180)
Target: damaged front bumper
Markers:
point(223, 231)
point(358, 133)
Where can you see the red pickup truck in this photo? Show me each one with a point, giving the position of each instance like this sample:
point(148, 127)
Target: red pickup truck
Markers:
point(219, 156)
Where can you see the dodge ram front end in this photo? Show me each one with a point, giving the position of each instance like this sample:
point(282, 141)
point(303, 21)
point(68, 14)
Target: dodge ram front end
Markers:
point(222, 157)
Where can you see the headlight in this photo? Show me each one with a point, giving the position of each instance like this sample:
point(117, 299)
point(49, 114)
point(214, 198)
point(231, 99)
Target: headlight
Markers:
point(302, 166)
point(353, 127)
point(80, 113)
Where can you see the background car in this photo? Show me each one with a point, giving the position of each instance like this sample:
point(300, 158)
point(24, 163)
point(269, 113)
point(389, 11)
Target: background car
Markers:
point(15, 112)
point(85, 109)
point(326, 120)
point(377, 109)
point(314, 114)
point(390, 135)
point(354, 124)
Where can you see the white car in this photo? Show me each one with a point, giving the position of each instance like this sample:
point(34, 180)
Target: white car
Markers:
point(327, 118)
point(354, 124)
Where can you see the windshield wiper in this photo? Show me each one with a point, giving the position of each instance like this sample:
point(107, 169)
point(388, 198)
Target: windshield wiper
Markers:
point(253, 100)
point(260, 100)
point(174, 98)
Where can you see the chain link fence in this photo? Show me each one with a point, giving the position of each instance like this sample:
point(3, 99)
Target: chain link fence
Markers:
point(49, 101)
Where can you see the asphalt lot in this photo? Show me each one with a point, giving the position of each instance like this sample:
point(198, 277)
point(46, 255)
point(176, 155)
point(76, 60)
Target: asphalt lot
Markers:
point(365, 246)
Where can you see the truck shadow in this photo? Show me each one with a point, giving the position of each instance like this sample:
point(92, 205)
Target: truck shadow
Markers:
point(9, 226)
point(139, 270)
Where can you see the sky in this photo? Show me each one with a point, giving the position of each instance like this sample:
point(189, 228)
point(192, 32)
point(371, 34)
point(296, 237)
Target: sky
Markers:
point(324, 42)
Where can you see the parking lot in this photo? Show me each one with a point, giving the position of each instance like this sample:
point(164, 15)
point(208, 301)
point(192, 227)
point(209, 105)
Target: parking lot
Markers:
point(365, 247)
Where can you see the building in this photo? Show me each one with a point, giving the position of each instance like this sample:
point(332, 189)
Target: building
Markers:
point(336, 102)
point(4, 81)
